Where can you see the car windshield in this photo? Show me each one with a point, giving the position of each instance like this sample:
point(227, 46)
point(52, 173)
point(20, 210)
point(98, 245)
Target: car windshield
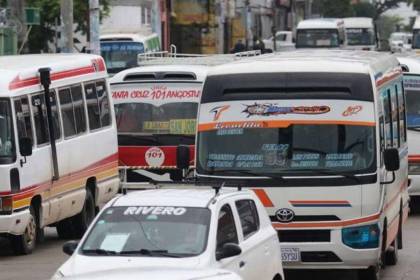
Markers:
point(143, 118)
point(416, 39)
point(298, 148)
point(360, 37)
point(317, 38)
point(155, 231)
point(120, 55)
point(6, 130)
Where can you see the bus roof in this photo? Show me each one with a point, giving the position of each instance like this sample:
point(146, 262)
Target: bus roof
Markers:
point(126, 36)
point(199, 72)
point(21, 71)
point(411, 61)
point(323, 23)
point(313, 61)
point(358, 22)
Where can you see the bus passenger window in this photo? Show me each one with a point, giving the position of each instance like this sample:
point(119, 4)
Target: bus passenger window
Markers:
point(54, 112)
point(396, 118)
point(23, 118)
point(40, 118)
point(403, 119)
point(67, 112)
point(104, 108)
point(79, 108)
point(92, 106)
point(386, 99)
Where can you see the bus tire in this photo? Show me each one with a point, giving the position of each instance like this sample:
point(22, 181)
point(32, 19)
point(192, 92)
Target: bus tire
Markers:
point(391, 254)
point(400, 229)
point(371, 273)
point(65, 229)
point(82, 220)
point(24, 244)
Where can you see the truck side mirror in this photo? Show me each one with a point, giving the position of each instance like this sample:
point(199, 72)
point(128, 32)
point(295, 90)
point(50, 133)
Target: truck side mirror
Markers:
point(25, 146)
point(183, 157)
point(228, 250)
point(392, 159)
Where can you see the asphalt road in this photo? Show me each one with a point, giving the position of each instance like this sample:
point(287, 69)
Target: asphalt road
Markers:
point(48, 256)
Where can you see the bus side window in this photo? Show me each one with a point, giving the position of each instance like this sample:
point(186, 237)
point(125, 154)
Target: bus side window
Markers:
point(40, 119)
point(403, 117)
point(382, 136)
point(67, 112)
point(388, 118)
point(79, 108)
point(23, 118)
point(54, 112)
point(105, 114)
point(92, 106)
point(396, 117)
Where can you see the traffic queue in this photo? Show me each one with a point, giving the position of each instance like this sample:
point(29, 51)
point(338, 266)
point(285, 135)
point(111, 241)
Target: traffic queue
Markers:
point(229, 166)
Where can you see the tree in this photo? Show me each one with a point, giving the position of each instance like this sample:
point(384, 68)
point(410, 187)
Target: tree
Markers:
point(415, 3)
point(385, 5)
point(364, 9)
point(334, 8)
point(50, 15)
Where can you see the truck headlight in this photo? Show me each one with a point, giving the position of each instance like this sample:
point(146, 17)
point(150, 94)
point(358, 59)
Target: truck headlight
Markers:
point(413, 168)
point(361, 237)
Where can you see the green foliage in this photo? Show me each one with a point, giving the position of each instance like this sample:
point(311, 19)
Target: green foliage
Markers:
point(416, 4)
point(336, 9)
point(386, 25)
point(50, 15)
point(364, 9)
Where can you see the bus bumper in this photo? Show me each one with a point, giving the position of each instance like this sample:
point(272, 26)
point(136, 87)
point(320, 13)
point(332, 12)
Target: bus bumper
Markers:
point(414, 185)
point(15, 223)
point(331, 255)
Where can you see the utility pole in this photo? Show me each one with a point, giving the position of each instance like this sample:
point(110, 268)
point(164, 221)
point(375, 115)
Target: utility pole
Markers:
point(66, 8)
point(95, 47)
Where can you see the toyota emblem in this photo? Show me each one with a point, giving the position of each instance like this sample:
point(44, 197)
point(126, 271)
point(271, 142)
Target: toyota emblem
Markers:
point(285, 215)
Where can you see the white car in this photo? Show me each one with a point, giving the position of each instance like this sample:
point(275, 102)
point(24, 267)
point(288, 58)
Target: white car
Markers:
point(156, 274)
point(182, 228)
point(400, 42)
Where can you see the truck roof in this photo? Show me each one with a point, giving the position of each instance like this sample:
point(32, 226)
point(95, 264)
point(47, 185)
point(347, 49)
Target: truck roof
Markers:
point(179, 197)
point(20, 71)
point(358, 22)
point(199, 71)
point(323, 23)
point(313, 61)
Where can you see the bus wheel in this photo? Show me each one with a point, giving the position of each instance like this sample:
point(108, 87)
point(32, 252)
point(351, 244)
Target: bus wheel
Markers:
point(65, 229)
point(391, 256)
point(82, 220)
point(372, 273)
point(24, 244)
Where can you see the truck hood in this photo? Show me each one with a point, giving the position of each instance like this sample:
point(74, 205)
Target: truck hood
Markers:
point(79, 264)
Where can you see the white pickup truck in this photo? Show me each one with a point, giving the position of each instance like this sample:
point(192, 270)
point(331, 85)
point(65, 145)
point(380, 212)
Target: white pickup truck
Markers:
point(183, 228)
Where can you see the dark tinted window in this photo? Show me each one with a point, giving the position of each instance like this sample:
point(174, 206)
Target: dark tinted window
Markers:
point(67, 112)
point(248, 216)
point(54, 112)
point(79, 108)
point(92, 106)
point(40, 118)
point(226, 229)
point(23, 118)
point(103, 101)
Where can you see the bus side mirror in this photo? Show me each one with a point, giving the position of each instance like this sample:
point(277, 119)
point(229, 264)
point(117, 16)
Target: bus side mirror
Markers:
point(392, 159)
point(69, 247)
point(25, 146)
point(183, 157)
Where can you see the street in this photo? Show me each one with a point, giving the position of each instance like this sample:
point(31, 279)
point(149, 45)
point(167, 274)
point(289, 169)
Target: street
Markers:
point(48, 257)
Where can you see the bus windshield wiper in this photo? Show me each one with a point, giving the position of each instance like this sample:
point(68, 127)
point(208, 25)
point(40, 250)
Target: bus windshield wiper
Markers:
point(254, 174)
point(327, 172)
point(99, 252)
point(154, 253)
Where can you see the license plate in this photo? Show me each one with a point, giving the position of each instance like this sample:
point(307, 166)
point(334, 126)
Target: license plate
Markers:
point(290, 254)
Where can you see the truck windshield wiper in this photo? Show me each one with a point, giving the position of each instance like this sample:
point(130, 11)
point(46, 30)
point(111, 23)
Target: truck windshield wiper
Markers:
point(158, 253)
point(327, 172)
point(99, 252)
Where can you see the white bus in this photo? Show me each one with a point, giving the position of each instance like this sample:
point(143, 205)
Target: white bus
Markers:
point(58, 155)
point(120, 50)
point(320, 137)
point(412, 93)
point(360, 33)
point(321, 33)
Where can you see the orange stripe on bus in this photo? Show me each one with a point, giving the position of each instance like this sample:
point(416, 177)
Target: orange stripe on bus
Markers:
point(275, 124)
point(262, 195)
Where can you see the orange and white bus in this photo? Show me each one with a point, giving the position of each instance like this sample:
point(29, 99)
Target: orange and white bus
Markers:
point(58, 145)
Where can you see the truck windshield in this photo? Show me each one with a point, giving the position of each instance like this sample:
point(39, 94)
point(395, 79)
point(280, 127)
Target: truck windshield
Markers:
point(149, 231)
point(317, 38)
point(144, 119)
point(120, 55)
point(6, 133)
point(298, 148)
point(413, 109)
point(360, 37)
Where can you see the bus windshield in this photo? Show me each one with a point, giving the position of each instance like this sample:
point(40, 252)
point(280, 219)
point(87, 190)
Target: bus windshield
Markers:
point(6, 131)
point(144, 119)
point(317, 38)
point(298, 148)
point(360, 37)
point(120, 55)
point(413, 109)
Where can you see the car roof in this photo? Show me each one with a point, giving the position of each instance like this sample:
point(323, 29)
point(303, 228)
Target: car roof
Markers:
point(337, 61)
point(177, 197)
point(358, 22)
point(199, 71)
point(320, 23)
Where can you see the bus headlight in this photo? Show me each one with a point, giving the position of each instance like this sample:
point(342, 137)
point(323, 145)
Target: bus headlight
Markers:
point(361, 237)
point(6, 204)
point(414, 168)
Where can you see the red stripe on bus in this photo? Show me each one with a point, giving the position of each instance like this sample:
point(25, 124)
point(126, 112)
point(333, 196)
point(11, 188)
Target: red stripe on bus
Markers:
point(262, 195)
